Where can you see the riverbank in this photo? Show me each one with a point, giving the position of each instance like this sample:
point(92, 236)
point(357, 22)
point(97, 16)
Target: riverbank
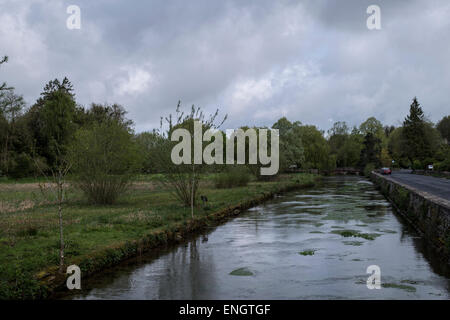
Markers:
point(98, 237)
point(428, 214)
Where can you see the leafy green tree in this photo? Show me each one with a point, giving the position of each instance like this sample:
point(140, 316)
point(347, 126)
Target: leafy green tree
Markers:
point(339, 128)
point(11, 107)
point(58, 118)
point(337, 138)
point(291, 147)
point(148, 143)
point(371, 151)
point(372, 126)
point(52, 121)
point(443, 127)
point(397, 148)
point(99, 113)
point(442, 157)
point(349, 154)
point(316, 149)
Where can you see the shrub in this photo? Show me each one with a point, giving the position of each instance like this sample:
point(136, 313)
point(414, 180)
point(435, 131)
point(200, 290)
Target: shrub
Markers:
point(443, 166)
point(105, 158)
point(417, 165)
point(21, 166)
point(236, 176)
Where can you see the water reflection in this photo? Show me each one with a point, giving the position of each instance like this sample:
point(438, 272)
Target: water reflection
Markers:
point(310, 244)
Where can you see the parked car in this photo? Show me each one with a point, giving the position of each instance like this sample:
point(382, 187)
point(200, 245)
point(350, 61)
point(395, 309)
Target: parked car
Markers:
point(385, 171)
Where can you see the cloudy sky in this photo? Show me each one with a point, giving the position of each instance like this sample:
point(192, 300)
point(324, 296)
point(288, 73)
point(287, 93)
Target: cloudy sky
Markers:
point(312, 61)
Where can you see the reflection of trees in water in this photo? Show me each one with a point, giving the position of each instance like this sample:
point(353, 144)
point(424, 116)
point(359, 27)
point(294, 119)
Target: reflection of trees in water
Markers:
point(188, 273)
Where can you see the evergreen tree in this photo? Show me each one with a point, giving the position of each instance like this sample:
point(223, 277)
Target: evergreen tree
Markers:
point(414, 132)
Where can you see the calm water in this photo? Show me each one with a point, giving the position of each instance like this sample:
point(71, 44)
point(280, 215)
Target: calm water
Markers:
point(267, 242)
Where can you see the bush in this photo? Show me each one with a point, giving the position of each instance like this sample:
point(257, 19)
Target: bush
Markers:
point(417, 165)
point(21, 166)
point(105, 158)
point(236, 176)
point(368, 169)
point(443, 166)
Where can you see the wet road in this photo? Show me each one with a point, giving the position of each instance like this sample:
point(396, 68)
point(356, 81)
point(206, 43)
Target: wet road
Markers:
point(309, 244)
point(435, 186)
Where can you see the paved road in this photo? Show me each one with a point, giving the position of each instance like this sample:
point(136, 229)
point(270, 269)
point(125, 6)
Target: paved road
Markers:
point(435, 186)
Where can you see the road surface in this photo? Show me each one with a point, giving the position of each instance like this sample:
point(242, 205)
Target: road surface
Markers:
point(439, 187)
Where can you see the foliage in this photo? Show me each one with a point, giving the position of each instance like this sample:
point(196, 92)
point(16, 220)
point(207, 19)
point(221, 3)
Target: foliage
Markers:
point(233, 176)
point(443, 165)
point(344, 145)
point(148, 142)
point(11, 107)
point(99, 113)
point(368, 169)
point(105, 157)
point(316, 149)
point(374, 127)
point(421, 138)
point(385, 158)
point(371, 150)
point(291, 147)
point(417, 165)
point(443, 127)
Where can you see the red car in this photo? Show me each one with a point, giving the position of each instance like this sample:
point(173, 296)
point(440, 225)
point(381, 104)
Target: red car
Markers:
point(385, 171)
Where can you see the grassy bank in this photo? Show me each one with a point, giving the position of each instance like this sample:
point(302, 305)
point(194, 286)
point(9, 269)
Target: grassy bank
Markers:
point(100, 236)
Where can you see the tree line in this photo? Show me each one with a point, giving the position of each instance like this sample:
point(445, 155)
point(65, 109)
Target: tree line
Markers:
point(35, 140)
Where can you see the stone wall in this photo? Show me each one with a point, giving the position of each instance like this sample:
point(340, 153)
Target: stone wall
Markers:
point(428, 214)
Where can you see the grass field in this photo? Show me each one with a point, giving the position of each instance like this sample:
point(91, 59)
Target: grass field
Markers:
point(29, 238)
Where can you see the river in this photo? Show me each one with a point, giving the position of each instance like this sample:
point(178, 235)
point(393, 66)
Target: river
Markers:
point(309, 244)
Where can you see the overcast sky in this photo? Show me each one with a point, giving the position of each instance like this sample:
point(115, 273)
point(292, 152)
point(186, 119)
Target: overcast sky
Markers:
point(312, 61)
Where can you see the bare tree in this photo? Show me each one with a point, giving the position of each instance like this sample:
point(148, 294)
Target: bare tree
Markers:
point(58, 111)
point(56, 181)
point(4, 86)
point(182, 179)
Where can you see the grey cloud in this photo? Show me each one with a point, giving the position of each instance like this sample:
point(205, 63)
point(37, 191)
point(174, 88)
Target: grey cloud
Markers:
point(313, 61)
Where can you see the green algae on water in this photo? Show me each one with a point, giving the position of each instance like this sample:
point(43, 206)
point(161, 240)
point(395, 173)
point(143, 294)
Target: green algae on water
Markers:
point(353, 243)
point(243, 272)
point(356, 234)
point(309, 252)
point(399, 286)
